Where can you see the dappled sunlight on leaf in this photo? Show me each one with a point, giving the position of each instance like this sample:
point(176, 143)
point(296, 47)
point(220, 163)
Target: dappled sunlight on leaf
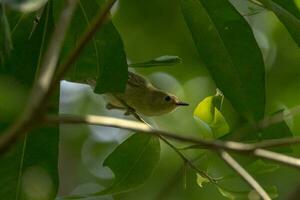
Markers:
point(25, 5)
point(208, 112)
point(37, 183)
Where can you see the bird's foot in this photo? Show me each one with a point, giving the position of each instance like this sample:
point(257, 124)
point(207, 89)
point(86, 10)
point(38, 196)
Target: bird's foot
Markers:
point(110, 106)
point(129, 111)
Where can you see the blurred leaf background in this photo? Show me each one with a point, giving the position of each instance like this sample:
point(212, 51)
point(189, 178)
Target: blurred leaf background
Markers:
point(150, 29)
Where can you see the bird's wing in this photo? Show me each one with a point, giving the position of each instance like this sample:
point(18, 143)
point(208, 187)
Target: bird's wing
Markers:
point(135, 80)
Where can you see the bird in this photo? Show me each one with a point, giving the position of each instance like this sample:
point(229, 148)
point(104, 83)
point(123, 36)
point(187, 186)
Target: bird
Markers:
point(142, 97)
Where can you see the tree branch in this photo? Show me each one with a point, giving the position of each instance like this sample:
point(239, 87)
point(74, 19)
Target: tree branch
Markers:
point(253, 149)
point(46, 84)
point(277, 157)
point(35, 104)
point(244, 174)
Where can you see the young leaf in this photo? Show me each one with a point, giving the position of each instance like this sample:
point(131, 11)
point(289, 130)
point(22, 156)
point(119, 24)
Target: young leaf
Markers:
point(166, 60)
point(229, 195)
point(201, 180)
point(132, 162)
point(29, 169)
point(272, 191)
point(208, 112)
point(25, 5)
point(288, 13)
point(228, 48)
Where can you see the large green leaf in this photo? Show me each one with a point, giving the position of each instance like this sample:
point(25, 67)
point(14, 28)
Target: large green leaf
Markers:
point(227, 46)
point(104, 58)
point(132, 162)
point(288, 13)
point(29, 169)
point(113, 74)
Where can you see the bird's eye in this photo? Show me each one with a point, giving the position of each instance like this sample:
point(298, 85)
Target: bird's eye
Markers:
point(167, 98)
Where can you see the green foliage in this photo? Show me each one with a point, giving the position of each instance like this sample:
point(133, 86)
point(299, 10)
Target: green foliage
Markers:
point(223, 40)
point(35, 155)
point(132, 162)
point(229, 184)
point(25, 5)
point(103, 57)
point(112, 59)
point(288, 14)
point(208, 112)
point(5, 35)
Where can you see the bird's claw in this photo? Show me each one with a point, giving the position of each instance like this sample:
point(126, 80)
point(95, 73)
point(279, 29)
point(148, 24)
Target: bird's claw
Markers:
point(129, 111)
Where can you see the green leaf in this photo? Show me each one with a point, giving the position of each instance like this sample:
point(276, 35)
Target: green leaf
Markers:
point(277, 131)
point(288, 13)
point(274, 131)
point(113, 73)
point(132, 162)
point(103, 58)
point(201, 180)
point(260, 167)
point(29, 169)
point(208, 112)
point(166, 60)
point(224, 41)
point(227, 194)
point(25, 5)
point(11, 101)
point(272, 191)
point(5, 35)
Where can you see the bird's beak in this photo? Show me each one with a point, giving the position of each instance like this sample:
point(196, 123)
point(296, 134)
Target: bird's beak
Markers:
point(181, 104)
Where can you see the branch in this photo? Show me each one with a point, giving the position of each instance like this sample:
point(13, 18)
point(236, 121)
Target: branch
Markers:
point(226, 157)
point(95, 26)
point(182, 156)
point(41, 86)
point(244, 174)
point(46, 84)
point(253, 149)
point(145, 128)
point(277, 157)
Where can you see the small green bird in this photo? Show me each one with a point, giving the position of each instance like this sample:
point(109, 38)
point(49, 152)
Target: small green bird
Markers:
point(142, 97)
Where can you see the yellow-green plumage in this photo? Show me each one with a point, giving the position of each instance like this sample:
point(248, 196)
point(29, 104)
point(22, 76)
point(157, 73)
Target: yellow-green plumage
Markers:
point(143, 97)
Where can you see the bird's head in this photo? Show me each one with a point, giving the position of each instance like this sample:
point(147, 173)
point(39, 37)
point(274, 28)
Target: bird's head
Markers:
point(162, 102)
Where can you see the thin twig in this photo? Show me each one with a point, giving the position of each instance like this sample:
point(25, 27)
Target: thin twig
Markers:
point(244, 174)
point(226, 157)
point(182, 156)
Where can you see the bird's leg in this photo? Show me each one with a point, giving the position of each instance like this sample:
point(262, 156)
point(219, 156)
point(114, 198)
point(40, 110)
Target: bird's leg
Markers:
point(129, 111)
point(110, 106)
